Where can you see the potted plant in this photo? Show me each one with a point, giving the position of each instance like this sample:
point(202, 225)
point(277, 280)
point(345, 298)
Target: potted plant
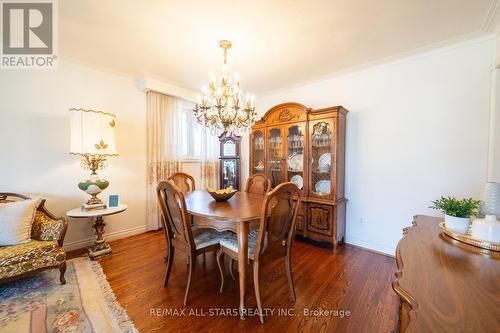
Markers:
point(457, 212)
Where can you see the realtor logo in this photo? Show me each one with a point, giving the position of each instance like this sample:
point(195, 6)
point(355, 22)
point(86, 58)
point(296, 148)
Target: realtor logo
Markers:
point(28, 34)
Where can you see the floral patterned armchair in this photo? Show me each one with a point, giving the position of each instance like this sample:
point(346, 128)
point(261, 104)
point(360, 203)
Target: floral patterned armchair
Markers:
point(43, 252)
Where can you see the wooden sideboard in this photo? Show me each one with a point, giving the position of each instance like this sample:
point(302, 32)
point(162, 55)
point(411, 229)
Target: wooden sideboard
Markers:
point(445, 285)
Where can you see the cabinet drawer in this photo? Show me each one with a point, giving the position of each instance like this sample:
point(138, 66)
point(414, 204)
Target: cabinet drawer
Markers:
point(319, 219)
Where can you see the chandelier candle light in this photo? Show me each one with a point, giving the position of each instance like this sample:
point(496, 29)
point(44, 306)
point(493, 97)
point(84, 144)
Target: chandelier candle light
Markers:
point(93, 137)
point(221, 106)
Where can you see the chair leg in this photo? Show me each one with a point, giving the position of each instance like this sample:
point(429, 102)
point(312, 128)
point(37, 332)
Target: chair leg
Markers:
point(62, 270)
point(191, 269)
point(231, 261)
point(204, 258)
point(170, 261)
point(220, 263)
point(257, 289)
point(289, 275)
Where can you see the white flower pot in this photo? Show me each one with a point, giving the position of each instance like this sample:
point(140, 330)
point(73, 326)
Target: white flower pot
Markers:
point(459, 225)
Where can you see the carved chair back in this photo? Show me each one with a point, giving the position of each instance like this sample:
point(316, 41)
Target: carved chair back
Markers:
point(183, 181)
point(278, 217)
point(175, 218)
point(258, 183)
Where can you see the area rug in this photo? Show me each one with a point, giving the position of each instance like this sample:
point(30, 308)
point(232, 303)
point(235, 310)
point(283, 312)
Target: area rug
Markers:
point(85, 303)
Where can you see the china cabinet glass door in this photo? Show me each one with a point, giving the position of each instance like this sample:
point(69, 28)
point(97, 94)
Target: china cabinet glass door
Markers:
point(295, 154)
point(258, 157)
point(275, 155)
point(322, 158)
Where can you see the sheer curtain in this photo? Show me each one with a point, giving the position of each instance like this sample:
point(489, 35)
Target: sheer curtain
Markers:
point(209, 160)
point(164, 159)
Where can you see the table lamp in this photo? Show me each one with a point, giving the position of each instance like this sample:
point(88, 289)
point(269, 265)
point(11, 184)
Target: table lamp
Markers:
point(93, 138)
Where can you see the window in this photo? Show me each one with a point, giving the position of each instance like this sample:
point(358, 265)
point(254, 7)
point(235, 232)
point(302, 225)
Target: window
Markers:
point(191, 134)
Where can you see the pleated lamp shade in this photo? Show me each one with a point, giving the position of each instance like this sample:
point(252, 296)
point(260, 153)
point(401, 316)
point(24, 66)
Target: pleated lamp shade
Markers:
point(92, 133)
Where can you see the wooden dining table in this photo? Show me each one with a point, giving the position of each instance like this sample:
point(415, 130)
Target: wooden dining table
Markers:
point(239, 214)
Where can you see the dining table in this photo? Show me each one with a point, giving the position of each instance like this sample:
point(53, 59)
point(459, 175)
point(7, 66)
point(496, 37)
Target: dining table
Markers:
point(239, 214)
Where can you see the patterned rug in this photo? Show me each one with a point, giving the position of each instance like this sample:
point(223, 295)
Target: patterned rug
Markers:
point(85, 303)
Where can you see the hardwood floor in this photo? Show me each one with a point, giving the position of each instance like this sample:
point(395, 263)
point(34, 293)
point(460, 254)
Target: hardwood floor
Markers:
point(353, 280)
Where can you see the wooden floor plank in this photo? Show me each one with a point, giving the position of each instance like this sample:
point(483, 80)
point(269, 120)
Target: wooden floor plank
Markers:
point(353, 280)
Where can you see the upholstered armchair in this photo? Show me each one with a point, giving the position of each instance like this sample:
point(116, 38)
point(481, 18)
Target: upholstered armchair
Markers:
point(44, 251)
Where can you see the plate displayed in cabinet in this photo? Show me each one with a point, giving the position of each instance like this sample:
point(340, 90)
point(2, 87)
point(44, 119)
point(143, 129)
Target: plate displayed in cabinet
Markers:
point(324, 162)
point(298, 180)
point(295, 162)
point(322, 186)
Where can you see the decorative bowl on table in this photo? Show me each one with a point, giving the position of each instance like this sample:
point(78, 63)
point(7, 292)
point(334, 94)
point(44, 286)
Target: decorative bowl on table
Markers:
point(222, 194)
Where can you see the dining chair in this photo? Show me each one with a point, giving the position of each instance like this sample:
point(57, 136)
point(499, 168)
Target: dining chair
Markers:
point(183, 181)
point(186, 183)
point(179, 233)
point(258, 183)
point(274, 236)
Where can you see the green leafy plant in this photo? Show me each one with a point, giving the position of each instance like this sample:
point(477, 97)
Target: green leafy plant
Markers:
point(457, 207)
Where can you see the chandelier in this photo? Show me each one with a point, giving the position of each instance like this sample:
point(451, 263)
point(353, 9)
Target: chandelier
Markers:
point(221, 106)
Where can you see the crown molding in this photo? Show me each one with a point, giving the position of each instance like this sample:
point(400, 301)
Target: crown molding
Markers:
point(492, 21)
point(148, 84)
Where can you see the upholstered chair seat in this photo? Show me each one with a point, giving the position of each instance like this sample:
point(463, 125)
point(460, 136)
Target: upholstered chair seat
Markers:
point(207, 237)
point(23, 258)
point(230, 241)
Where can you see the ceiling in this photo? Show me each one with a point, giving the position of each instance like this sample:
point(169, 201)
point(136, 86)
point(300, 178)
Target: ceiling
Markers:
point(276, 43)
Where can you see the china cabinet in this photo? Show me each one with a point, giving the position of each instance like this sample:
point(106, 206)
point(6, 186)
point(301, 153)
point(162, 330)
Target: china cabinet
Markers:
point(230, 161)
point(307, 147)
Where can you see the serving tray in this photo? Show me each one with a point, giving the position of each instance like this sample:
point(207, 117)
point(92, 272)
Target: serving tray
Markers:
point(470, 240)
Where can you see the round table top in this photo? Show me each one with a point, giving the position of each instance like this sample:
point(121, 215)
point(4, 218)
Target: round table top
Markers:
point(79, 213)
point(242, 206)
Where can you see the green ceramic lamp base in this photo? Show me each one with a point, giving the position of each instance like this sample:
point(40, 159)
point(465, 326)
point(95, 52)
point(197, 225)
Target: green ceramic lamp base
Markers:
point(93, 186)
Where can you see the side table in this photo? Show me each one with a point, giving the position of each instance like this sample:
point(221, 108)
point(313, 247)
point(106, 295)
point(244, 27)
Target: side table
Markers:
point(101, 247)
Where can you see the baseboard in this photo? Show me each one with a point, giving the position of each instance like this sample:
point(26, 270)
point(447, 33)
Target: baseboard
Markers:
point(366, 245)
point(82, 243)
point(324, 245)
point(370, 246)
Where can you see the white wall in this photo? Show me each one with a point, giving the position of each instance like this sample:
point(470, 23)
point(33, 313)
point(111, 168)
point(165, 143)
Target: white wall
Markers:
point(494, 143)
point(34, 142)
point(417, 129)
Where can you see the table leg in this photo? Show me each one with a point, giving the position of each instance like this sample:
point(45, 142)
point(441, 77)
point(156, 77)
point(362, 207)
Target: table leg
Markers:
point(101, 247)
point(242, 234)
